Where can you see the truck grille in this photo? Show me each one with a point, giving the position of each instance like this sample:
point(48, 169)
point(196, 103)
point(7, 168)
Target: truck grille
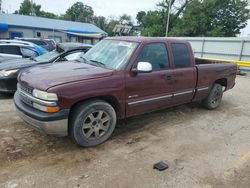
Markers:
point(26, 90)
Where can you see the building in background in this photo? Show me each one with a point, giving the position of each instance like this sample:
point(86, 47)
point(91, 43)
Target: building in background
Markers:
point(13, 25)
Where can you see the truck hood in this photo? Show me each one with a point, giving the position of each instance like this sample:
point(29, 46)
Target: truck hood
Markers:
point(44, 77)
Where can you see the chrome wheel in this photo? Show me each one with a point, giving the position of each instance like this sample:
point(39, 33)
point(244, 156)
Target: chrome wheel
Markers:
point(216, 97)
point(96, 124)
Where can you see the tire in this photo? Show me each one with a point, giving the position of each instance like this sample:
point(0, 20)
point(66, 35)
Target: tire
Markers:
point(214, 98)
point(92, 123)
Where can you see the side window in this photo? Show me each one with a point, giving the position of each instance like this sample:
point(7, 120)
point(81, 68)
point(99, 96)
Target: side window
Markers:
point(38, 42)
point(14, 50)
point(181, 55)
point(156, 54)
point(73, 56)
point(28, 52)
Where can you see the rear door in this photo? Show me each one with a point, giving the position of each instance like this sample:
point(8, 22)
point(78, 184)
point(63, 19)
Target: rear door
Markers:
point(184, 73)
point(147, 92)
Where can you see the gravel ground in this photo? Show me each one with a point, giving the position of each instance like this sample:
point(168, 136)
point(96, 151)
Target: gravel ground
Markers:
point(203, 149)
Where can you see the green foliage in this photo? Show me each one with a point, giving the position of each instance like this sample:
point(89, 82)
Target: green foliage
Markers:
point(213, 18)
point(100, 21)
point(47, 14)
point(126, 20)
point(79, 12)
point(187, 18)
point(152, 22)
point(27, 8)
point(110, 26)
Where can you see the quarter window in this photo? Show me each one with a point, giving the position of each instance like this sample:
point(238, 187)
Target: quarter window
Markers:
point(156, 54)
point(181, 55)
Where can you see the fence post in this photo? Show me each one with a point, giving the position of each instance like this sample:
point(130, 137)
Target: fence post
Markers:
point(241, 50)
point(202, 47)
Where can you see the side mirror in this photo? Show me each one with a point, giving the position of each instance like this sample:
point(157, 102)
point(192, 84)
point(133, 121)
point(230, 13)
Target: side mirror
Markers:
point(143, 67)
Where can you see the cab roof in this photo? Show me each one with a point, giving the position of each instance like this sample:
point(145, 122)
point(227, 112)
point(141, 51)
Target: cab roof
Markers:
point(145, 39)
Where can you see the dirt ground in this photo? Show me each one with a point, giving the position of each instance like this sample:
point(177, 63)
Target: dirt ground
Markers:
point(203, 149)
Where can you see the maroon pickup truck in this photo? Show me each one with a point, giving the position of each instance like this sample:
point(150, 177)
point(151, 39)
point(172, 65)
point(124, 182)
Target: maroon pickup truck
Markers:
point(118, 78)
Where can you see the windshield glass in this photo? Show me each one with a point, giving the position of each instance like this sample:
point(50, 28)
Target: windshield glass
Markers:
point(47, 56)
point(111, 54)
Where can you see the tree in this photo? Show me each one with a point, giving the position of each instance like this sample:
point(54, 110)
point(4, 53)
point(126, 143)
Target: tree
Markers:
point(100, 21)
point(154, 22)
point(110, 25)
point(125, 20)
point(28, 8)
point(213, 18)
point(79, 12)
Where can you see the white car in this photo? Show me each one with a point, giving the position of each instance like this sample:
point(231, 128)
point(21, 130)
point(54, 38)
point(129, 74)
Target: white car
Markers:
point(11, 49)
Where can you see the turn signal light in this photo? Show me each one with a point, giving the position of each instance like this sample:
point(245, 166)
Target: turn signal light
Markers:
point(52, 109)
point(46, 108)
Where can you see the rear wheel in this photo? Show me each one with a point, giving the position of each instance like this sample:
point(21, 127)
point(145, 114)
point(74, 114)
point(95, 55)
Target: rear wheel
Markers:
point(93, 123)
point(214, 98)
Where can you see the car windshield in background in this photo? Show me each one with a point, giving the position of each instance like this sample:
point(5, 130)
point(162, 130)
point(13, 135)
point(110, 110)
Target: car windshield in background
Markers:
point(49, 56)
point(111, 54)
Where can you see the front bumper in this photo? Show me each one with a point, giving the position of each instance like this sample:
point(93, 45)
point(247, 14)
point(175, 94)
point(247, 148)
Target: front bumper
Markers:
point(49, 123)
point(8, 84)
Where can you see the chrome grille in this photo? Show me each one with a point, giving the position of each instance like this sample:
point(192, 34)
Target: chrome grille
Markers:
point(27, 90)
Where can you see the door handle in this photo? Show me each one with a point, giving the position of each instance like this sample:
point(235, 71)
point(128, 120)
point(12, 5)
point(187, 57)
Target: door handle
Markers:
point(169, 77)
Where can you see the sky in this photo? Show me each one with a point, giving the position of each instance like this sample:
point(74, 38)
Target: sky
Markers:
point(101, 7)
point(105, 8)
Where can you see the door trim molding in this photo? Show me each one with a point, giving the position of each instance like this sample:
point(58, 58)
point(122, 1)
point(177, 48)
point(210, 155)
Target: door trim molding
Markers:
point(144, 101)
point(131, 104)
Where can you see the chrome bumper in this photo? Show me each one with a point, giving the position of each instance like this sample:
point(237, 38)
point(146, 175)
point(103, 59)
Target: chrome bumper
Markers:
point(57, 128)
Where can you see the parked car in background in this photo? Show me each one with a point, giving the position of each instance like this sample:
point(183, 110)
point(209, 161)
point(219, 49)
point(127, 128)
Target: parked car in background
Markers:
point(48, 44)
point(118, 78)
point(12, 49)
point(9, 69)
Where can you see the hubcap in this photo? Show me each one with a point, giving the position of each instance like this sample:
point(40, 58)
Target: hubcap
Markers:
point(216, 97)
point(96, 124)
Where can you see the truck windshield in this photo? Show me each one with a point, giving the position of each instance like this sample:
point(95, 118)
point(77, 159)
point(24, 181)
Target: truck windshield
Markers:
point(111, 54)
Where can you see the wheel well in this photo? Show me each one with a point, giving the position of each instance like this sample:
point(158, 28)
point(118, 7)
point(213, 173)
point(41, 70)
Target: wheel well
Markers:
point(109, 99)
point(222, 82)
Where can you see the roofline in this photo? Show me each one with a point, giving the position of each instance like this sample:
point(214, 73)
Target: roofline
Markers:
point(51, 19)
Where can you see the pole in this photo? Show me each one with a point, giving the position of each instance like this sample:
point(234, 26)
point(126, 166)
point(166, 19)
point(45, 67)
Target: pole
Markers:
point(0, 6)
point(169, 8)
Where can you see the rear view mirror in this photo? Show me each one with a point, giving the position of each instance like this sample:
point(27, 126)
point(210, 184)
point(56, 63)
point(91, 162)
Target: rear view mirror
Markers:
point(143, 67)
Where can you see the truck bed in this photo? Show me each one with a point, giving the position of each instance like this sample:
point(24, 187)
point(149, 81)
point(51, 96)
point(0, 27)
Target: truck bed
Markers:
point(207, 69)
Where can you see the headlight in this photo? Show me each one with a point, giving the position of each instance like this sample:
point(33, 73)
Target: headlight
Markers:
point(44, 95)
point(5, 73)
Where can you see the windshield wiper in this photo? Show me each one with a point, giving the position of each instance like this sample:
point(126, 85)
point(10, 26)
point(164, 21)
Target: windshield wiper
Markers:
point(82, 59)
point(98, 62)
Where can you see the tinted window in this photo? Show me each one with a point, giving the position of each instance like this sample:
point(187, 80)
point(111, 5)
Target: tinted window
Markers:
point(38, 42)
point(156, 54)
point(28, 52)
point(181, 55)
point(6, 49)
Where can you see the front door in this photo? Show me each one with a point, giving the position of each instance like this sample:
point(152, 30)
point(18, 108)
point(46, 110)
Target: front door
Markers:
point(147, 92)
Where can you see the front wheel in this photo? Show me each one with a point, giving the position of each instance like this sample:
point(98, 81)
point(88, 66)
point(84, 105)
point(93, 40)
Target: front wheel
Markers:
point(214, 98)
point(93, 123)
